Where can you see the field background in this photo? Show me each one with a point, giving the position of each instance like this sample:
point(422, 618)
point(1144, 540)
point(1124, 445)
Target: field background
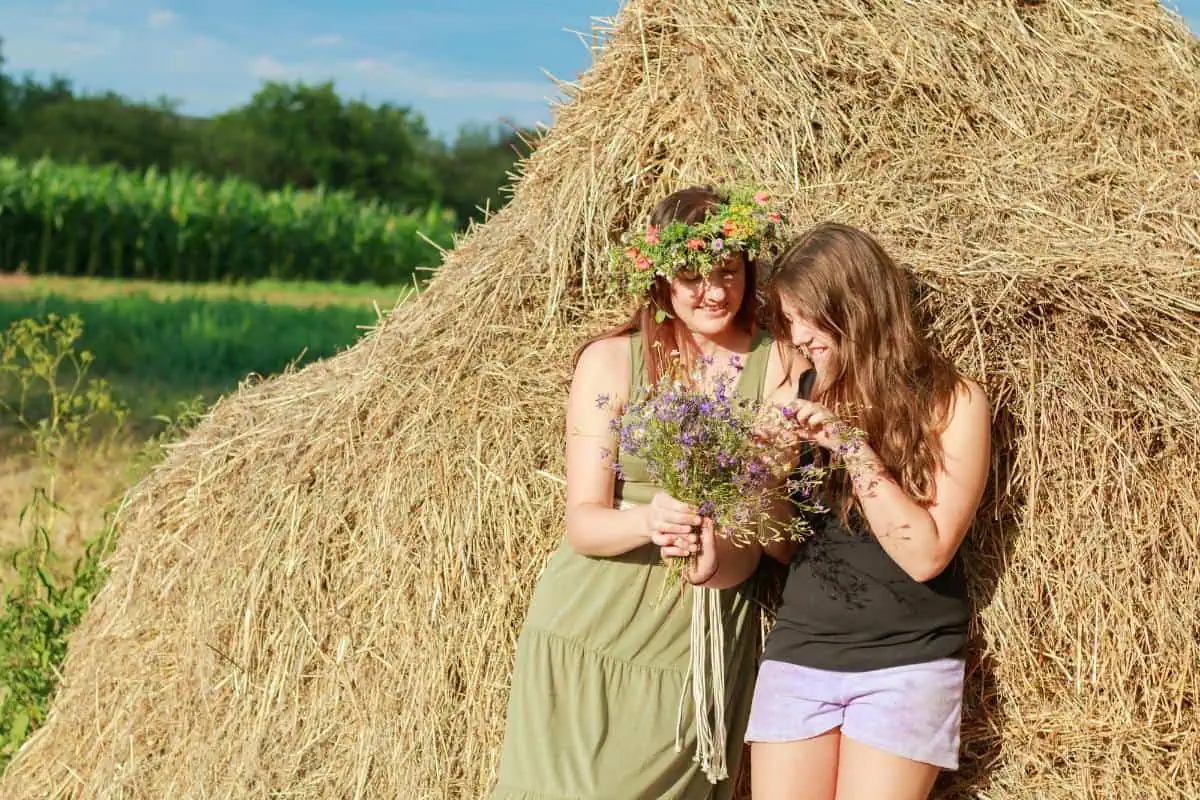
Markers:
point(161, 346)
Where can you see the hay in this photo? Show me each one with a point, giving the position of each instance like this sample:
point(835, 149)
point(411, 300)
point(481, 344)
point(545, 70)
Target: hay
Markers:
point(317, 595)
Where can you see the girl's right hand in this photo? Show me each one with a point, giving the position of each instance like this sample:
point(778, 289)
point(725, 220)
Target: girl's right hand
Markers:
point(670, 522)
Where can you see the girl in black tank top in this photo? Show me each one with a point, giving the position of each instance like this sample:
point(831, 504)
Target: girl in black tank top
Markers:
point(860, 688)
point(849, 606)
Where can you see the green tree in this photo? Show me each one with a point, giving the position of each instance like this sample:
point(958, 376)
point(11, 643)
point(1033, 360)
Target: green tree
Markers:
point(286, 135)
point(104, 129)
point(28, 96)
point(306, 136)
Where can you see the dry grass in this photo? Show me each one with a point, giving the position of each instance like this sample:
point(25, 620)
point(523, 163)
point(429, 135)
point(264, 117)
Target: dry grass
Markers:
point(317, 594)
point(85, 488)
point(291, 293)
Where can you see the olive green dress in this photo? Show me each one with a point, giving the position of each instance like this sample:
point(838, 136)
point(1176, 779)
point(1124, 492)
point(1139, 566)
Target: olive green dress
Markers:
point(602, 665)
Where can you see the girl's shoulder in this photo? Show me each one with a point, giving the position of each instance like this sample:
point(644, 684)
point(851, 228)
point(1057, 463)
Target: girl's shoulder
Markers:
point(969, 414)
point(607, 349)
point(969, 398)
point(605, 362)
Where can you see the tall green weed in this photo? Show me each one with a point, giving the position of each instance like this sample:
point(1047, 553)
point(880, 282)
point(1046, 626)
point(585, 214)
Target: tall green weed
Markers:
point(51, 407)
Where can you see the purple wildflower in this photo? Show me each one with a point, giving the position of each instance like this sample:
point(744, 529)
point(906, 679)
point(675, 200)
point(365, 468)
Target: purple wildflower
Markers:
point(719, 393)
point(602, 401)
point(718, 245)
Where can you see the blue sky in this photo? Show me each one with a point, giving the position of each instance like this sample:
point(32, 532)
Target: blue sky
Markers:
point(454, 61)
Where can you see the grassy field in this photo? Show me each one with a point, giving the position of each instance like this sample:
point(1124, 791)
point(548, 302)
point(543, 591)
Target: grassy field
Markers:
point(160, 345)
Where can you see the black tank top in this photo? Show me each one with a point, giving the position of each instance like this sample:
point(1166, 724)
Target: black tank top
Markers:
point(848, 607)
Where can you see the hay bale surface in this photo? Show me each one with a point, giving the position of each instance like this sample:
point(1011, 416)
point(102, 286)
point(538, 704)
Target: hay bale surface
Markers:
point(318, 593)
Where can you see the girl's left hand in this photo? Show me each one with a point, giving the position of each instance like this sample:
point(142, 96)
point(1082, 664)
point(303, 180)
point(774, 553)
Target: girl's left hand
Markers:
point(705, 565)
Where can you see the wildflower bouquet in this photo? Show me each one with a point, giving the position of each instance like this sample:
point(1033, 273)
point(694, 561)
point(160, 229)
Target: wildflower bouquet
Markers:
point(704, 447)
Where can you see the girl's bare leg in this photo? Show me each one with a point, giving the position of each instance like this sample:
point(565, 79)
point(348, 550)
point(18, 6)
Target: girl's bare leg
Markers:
point(867, 773)
point(802, 770)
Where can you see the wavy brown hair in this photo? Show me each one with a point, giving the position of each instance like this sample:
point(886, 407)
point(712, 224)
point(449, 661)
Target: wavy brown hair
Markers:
point(886, 378)
point(689, 205)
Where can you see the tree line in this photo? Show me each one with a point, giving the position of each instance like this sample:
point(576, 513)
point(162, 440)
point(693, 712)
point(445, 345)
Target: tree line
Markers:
point(288, 134)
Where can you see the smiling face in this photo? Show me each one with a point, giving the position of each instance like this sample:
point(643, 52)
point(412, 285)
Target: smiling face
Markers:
point(803, 333)
point(709, 306)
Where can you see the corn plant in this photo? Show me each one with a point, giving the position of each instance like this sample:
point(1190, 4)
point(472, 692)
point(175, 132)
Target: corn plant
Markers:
point(108, 222)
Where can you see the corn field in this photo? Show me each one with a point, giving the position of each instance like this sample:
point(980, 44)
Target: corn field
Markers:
point(107, 222)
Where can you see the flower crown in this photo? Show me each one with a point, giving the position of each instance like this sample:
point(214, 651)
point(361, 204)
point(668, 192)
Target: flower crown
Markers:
point(744, 221)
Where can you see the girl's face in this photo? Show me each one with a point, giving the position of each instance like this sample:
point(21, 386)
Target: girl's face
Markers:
point(804, 334)
point(708, 306)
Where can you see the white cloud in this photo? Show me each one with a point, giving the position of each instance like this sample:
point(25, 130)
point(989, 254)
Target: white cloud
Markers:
point(369, 66)
point(162, 18)
point(387, 75)
point(327, 40)
point(59, 39)
point(395, 78)
point(269, 69)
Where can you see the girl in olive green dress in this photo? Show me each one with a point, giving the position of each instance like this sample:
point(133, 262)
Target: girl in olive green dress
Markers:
point(600, 705)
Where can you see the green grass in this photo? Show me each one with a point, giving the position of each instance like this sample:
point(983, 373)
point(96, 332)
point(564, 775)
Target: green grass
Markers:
point(162, 344)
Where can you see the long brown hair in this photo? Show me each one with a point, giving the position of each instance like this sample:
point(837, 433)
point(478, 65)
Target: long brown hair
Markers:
point(688, 205)
point(885, 376)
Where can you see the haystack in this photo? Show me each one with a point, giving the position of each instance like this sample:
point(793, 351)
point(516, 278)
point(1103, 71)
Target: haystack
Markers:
point(317, 595)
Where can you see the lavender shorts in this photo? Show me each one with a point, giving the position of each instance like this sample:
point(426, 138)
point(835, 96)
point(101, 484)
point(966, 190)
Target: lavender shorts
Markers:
point(914, 712)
